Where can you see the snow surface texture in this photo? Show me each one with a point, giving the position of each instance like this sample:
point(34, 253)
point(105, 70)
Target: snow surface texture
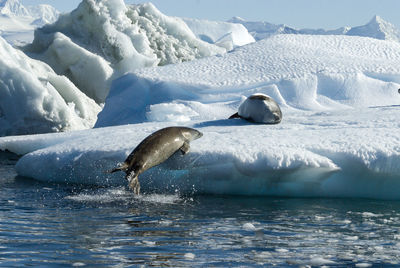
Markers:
point(339, 97)
point(121, 37)
point(34, 99)
point(223, 34)
point(17, 22)
point(376, 28)
point(298, 71)
point(342, 153)
point(339, 135)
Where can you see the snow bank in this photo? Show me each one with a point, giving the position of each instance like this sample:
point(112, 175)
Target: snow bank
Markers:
point(34, 99)
point(346, 153)
point(298, 71)
point(125, 37)
point(224, 34)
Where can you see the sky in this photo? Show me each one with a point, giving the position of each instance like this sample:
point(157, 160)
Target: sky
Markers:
point(326, 14)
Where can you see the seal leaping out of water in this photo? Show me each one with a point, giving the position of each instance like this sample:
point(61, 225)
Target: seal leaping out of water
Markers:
point(259, 108)
point(154, 150)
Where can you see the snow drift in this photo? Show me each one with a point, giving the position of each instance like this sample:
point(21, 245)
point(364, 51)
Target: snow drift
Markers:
point(298, 71)
point(125, 37)
point(34, 99)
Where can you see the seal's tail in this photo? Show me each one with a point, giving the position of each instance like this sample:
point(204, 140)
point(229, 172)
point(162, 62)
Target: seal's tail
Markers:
point(121, 167)
point(235, 115)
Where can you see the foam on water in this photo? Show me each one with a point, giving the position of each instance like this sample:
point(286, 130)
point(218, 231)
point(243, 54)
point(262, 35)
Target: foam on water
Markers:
point(101, 196)
point(122, 194)
point(159, 198)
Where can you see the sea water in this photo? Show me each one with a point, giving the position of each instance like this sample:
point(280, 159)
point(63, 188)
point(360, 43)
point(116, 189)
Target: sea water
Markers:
point(43, 224)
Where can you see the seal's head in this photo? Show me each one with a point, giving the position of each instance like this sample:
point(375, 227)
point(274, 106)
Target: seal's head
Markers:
point(260, 108)
point(191, 134)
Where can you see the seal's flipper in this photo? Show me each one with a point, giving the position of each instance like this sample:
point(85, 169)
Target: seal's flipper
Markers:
point(133, 180)
point(185, 148)
point(235, 115)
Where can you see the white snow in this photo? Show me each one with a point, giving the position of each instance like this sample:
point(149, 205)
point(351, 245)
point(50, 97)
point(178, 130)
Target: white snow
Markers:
point(338, 94)
point(88, 71)
point(376, 28)
point(13, 8)
point(34, 99)
point(125, 37)
point(43, 14)
point(18, 22)
point(344, 153)
point(224, 34)
point(262, 29)
point(298, 71)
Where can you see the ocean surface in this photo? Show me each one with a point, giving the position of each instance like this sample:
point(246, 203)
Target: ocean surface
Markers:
point(44, 224)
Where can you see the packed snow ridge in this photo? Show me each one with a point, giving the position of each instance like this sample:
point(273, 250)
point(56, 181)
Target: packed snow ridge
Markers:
point(376, 28)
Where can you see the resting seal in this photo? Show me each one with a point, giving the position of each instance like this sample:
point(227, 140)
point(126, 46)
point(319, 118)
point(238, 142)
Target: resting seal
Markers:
point(154, 150)
point(259, 108)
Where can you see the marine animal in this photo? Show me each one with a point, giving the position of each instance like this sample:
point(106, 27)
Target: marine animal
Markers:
point(259, 108)
point(154, 150)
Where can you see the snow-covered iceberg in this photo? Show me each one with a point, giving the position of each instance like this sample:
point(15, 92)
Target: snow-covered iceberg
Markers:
point(339, 97)
point(338, 138)
point(376, 28)
point(347, 153)
point(34, 99)
point(125, 37)
point(18, 22)
point(299, 71)
point(262, 29)
point(224, 34)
